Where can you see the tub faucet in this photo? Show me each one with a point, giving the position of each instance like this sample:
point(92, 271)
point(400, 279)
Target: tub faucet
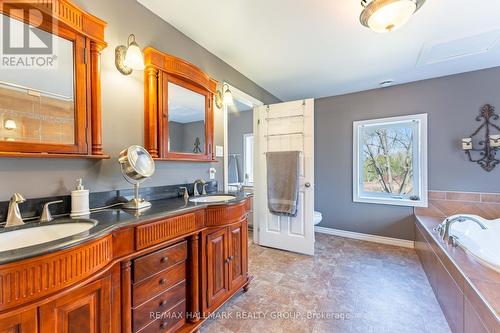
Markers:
point(14, 215)
point(195, 185)
point(444, 229)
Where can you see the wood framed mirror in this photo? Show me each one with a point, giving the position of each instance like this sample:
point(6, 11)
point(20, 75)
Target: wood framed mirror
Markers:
point(50, 99)
point(179, 120)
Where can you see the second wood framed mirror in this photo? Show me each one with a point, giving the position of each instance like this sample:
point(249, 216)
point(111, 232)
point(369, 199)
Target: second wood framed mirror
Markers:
point(179, 120)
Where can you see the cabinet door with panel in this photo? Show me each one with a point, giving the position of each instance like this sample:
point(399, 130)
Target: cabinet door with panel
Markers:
point(85, 310)
point(238, 246)
point(24, 322)
point(217, 266)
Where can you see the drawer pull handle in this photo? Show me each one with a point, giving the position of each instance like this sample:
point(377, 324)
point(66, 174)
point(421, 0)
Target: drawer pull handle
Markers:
point(231, 258)
point(164, 324)
point(164, 260)
point(163, 303)
point(163, 281)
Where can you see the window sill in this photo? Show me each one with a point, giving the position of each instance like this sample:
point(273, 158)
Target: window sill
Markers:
point(392, 202)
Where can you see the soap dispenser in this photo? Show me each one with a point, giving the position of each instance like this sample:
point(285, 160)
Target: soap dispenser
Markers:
point(79, 200)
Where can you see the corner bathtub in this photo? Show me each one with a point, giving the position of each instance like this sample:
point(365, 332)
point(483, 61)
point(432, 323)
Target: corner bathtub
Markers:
point(483, 245)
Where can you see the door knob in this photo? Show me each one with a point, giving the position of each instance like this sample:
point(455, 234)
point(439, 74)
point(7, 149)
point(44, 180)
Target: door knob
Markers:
point(307, 184)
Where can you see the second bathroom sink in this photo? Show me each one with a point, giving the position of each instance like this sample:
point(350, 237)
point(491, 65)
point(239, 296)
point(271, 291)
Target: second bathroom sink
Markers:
point(212, 198)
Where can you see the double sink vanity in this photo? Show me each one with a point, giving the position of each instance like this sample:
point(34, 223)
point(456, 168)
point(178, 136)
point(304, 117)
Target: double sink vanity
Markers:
point(162, 269)
point(165, 269)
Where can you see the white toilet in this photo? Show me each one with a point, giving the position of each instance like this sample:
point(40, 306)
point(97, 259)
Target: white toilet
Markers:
point(317, 217)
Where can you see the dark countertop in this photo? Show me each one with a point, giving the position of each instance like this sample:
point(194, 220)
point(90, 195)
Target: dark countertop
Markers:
point(484, 281)
point(109, 220)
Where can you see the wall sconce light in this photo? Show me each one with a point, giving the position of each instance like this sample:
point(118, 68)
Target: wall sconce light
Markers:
point(9, 124)
point(129, 58)
point(489, 145)
point(224, 97)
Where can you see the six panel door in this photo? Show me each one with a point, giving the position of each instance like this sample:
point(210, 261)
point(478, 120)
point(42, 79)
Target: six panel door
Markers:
point(85, 310)
point(217, 266)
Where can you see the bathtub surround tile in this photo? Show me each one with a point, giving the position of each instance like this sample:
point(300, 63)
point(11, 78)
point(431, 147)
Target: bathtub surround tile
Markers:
point(443, 204)
point(437, 195)
point(463, 196)
point(348, 286)
point(480, 285)
point(490, 197)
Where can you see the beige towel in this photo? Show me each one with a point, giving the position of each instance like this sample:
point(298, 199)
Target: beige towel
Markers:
point(283, 182)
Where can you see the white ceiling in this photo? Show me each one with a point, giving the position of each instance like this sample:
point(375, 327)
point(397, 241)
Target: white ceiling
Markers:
point(314, 48)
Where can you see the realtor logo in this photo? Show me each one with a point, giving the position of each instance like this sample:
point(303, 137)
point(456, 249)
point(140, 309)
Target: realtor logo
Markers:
point(27, 45)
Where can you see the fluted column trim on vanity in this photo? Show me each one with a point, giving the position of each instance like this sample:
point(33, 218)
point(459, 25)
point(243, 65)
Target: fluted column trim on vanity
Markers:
point(32, 279)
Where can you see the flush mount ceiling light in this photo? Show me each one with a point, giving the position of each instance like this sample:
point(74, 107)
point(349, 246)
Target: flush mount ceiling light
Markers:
point(129, 58)
point(225, 98)
point(388, 15)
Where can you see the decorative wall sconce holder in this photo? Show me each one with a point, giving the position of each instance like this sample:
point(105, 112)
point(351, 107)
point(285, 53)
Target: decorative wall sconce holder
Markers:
point(486, 148)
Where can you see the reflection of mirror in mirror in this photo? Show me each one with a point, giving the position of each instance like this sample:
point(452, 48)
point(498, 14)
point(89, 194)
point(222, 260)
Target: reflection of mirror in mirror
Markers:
point(37, 103)
point(186, 120)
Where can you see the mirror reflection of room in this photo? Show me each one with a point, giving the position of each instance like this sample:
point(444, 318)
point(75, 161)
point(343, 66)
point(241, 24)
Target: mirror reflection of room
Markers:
point(186, 120)
point(240, 146)
point(33, 108)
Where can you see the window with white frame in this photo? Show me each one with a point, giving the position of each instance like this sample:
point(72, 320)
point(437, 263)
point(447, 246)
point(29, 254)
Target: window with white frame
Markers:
point(390, 161)
point(248, 158)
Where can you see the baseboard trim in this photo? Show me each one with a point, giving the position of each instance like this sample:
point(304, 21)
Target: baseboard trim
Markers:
point(366, 237)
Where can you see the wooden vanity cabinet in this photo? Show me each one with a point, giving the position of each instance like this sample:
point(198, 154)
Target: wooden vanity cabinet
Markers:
point(226, 263)
point(164, 275)
point(84, 310)
point(217, 261)
point(23, 322)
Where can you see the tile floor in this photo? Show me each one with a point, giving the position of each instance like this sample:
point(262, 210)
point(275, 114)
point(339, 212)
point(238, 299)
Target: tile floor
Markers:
point(354, 286)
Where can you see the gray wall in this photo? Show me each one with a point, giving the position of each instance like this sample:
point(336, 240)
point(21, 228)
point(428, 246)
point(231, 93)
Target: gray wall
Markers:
point(452, 103)
point(238, 123)
point(123, 106)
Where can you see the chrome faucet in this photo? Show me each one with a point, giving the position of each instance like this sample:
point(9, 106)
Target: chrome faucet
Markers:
point(14, 217)
point(185, 190)
point(46, 216)
point(444, 228)
point(195, 185)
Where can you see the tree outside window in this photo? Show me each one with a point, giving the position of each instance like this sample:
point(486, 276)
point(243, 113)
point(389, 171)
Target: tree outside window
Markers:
point(390, 161)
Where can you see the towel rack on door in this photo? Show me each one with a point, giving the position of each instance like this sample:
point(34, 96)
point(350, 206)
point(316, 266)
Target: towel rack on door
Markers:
point(283, 134)
point(267, 118)
point(281, 117)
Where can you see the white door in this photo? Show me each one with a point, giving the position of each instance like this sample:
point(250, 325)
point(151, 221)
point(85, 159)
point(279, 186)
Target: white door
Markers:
point(284, 127)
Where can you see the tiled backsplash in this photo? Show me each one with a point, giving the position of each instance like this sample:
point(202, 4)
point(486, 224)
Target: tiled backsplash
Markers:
point(33, 206)
point(443, 204)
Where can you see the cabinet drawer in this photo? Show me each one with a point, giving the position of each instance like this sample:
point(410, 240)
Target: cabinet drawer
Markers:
point(168, 321)
point(157, 261)
point(158, 283)
point(165, 301)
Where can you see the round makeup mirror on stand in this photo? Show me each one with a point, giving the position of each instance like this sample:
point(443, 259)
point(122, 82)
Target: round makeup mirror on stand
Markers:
point(137, 166)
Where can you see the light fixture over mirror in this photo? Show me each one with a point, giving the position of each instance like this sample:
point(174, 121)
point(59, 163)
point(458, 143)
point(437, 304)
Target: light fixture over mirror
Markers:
point(388, 15)
point(224, 97)
point(129, 58)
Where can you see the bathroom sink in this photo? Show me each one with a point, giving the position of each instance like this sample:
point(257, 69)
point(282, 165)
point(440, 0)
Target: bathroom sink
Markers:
point(43, 233)
point(212, 198)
